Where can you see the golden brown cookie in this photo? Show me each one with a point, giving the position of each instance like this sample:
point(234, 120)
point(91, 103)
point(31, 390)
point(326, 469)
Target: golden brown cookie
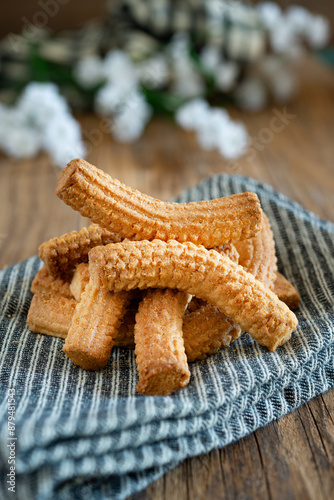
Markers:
point(95, 324)
point(286, 292)
point(62, 255)
point(161, 360)
point(134, 215)
point(50, 314)
point(204, 273)
point(45, 282)
point(80, 280)
point(257, 255)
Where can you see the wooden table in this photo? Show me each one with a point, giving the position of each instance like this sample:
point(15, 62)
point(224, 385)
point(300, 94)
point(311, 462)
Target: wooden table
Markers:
point(292, 458)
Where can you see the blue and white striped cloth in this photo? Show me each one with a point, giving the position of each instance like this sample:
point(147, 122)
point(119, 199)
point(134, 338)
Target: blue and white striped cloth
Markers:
point(90, 435)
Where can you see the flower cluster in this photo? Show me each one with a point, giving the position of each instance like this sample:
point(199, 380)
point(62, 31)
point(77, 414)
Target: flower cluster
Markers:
point(290, 28)
point(225, 61)
point(120, 95)
point(173, 69)
point(40, 120)
point(214, 128)
point(289, 32)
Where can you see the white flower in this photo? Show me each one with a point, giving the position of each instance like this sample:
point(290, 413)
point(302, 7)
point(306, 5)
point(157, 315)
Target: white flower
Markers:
point(154, 72)
point(210, 58)
point(318, 34)
point(209, 131)
point(131, 118)
point(233, 140)
point(40, 120)
point(109, 98)
point(298, 19)
point(270, 14)
point(126, 128)
point(214, 128)
point(62, 140)
point(179, 46)
point(129, 125)
point(187, 82)
point(121, 98)
point(17, 139)
point(192, 114)
point(136, 102)
point(122, 78)
point(22, 142)
point(282, 37)
point(251, 94)
point(226, 75)
point(40, 103)
point(224, 72)
point(215, 8)
point(89, 71)
point(297, 24)
point(119, 69)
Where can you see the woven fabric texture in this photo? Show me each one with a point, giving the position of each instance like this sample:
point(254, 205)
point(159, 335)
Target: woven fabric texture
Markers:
point(90, 435)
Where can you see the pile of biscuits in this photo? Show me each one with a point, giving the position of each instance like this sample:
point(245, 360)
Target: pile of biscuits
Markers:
point(175, 281)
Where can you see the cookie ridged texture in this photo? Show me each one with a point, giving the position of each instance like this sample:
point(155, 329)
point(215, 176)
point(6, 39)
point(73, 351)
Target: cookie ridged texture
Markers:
point(160, 356)
point(94, 326)
point(229, 251)
point(207, 330)
point(45, 282)
point(62, 254)
point(204, 273)
point(50, 314)
point(257, 255)
point(134, 215)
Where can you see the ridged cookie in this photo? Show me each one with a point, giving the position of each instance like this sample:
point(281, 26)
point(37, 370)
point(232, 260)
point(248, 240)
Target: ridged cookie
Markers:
point(257, 255)
point(207, 330)
point(136, 216)
point(204, 273)
point(161, 360)
point(95, 325)
point(45, 282)
point(286, 292)
point(50, 314)
point(62, 255)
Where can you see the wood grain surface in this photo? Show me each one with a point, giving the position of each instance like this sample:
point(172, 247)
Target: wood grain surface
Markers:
point(292, 458)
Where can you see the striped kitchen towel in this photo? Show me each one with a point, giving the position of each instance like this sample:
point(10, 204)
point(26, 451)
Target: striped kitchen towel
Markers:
point(79, 434)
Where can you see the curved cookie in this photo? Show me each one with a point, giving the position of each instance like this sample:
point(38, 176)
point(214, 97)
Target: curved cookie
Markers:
point(204, 273)
point(229, 251)
point(208, 329)
point(136, 216)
